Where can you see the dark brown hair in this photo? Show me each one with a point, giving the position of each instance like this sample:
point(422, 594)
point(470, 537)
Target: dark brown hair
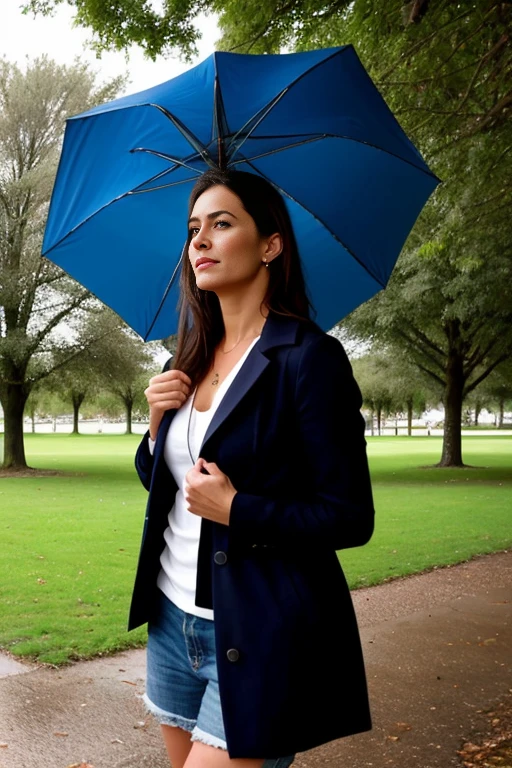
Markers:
point(201, 326)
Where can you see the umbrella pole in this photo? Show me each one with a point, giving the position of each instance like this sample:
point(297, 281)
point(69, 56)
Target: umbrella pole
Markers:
point(221, 154)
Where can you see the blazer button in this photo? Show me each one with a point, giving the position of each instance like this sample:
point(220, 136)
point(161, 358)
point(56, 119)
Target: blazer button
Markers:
point(220, 558)
point(233, 654)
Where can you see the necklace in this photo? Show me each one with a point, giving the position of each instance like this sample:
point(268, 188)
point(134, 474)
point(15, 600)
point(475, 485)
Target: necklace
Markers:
point(216, 377)
point(226, 352)
point(188, 428)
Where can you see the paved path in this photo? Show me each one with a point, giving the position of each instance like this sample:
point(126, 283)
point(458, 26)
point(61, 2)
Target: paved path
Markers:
point(438, 651)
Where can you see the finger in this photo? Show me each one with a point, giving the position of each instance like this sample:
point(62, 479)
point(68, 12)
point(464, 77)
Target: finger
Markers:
point(171, 375)
point(212, 468)
point(169, 386)
point(156, 398)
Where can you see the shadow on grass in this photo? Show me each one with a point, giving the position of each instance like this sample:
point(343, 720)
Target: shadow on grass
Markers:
point(436, 475)
point(36, 472)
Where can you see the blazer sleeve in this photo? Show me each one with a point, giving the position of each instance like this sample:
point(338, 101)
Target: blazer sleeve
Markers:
point(144, 461)
point(339, 513)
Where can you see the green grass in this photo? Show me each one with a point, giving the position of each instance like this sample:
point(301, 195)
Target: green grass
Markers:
point(70, 543)
point(428, 517)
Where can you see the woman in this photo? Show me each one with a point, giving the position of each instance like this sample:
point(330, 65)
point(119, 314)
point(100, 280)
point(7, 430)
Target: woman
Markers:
point(256, 467)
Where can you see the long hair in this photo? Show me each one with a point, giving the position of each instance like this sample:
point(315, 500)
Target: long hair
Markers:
point(201, 326)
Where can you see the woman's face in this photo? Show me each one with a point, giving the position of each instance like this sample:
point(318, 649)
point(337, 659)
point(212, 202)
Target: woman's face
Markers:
point(226, 250)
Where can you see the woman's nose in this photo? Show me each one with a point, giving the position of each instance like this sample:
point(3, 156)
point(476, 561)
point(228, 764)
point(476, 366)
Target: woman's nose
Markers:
point(200, 241)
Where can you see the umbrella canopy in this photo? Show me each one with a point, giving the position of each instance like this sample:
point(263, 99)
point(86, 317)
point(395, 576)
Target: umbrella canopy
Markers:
point(313, 124)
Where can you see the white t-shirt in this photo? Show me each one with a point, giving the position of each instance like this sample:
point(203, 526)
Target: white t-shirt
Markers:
point(177, 577)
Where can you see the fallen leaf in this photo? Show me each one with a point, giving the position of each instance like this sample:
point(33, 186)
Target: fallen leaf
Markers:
point(3, 744)
point(80, 765)
point(60, 733)
point(488, 641)
point(116, 741)
point(404, 726)
point(128, 682)
point(393, 738)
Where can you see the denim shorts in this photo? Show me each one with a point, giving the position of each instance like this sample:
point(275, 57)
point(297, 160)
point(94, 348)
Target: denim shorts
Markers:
point(182, 687)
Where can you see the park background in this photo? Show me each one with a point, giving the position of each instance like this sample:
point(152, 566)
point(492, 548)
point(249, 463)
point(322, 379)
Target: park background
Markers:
point(432, 352)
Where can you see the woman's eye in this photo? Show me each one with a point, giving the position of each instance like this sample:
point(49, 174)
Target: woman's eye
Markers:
point(222, 224)
point(193, 231)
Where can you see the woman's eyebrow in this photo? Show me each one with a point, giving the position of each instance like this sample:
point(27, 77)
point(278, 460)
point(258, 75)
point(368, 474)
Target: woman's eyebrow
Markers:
point(212, 215)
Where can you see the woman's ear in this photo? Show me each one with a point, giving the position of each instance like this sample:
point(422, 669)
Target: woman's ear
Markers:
point(274, 247)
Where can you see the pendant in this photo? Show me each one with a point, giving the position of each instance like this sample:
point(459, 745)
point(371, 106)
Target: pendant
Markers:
point(215, 380)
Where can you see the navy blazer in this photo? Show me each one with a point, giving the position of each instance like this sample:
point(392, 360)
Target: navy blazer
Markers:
point(290, 435)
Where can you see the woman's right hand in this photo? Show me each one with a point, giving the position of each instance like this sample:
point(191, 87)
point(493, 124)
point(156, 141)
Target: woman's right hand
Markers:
point(167, 390)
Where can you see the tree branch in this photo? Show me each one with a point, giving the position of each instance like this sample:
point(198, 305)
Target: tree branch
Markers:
point(421, 336)
point(420, 43)
point(38, 338)
point(484, 375)
point(76, 353)
point(431, 373)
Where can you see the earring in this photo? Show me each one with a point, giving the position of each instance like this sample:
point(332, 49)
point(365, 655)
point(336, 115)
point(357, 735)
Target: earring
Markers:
point(265, 263)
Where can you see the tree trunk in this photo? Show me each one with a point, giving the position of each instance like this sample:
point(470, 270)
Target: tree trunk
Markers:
point(372, 429)
point(452, 438)
point(501, 412)
point(379, 419)
point(128, 404)
point(33, 420)
point(409, 416)
point(14, 397)
point(478, 408)
point(76, 414)
point(77, 400)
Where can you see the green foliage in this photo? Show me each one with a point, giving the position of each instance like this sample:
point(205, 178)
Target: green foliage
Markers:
point(117, 25)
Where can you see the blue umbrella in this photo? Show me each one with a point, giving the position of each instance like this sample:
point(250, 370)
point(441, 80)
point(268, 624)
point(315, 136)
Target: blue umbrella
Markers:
point(312, 123)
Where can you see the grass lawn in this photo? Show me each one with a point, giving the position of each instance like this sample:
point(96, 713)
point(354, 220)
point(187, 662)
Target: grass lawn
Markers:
point(70, 543)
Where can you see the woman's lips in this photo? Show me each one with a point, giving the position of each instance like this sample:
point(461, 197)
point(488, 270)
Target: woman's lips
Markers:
point(205, 264)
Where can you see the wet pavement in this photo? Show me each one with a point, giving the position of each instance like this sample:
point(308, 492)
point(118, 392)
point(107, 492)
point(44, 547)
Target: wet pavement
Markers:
point(438, 650)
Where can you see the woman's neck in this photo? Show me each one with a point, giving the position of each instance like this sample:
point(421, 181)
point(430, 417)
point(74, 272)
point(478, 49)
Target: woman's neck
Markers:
point(242, 319)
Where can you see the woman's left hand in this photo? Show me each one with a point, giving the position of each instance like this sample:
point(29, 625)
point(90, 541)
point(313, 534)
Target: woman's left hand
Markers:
point(209, 495)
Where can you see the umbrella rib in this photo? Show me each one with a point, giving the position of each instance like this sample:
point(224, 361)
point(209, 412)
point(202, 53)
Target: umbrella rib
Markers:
point(272, 104)
point(161, 186)
point(134, 191)
point(220, 124)
point(268, 108)
point(166, 293)
point(164, 156)
point(320, 221)
point(276, 151)
point(188, 135)
point(262, 115)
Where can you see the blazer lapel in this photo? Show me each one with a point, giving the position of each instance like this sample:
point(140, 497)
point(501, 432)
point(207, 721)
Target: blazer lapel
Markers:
point(277, 331)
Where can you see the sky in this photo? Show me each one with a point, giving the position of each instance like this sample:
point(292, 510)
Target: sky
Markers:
point(22, 36)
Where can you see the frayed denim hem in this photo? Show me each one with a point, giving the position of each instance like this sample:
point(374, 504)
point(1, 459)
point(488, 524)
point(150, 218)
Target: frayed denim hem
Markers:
point(208, 739)
point(167, 718)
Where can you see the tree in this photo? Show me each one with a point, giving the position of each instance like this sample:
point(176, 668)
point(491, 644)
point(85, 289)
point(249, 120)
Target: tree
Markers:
point(113, 359)
point(390, 384)
point(125, 365)
point(371, 378)
point(496, 391)
point(35, 296)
